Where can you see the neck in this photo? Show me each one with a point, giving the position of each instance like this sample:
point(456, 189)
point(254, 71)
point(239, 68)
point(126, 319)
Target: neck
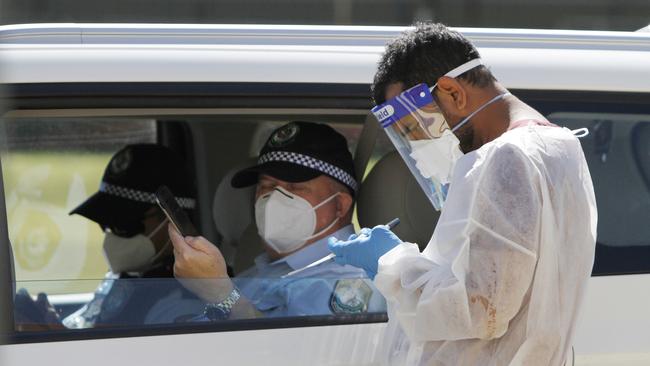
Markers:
point(495, 119)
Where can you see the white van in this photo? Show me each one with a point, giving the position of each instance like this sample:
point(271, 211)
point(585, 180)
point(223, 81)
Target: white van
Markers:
point(74, 94)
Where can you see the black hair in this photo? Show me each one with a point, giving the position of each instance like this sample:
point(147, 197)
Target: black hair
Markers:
point(424, 54)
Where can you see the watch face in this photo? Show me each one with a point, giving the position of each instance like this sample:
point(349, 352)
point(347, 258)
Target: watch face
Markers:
point(216, 313)
point(221, 311)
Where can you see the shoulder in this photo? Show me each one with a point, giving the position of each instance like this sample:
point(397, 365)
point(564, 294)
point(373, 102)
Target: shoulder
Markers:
point(534, 140)
point(506, 153)
point(527, 147)
point(549, 150)
point(514, 145)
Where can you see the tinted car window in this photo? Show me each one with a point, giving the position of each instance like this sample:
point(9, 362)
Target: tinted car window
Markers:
point(62, 278)
point(617, 152)
point(49, 167)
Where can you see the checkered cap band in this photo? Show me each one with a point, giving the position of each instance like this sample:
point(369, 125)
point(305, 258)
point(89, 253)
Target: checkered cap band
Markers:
point(309, 162)
point(141, 196)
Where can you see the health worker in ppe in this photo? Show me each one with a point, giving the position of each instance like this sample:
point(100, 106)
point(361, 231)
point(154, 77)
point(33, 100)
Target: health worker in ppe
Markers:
point(305, 188)
point(502, 279)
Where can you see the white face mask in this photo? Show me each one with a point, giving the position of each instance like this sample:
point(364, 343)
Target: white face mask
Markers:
point(436, 158)
point(134, 254)
point(287, 221)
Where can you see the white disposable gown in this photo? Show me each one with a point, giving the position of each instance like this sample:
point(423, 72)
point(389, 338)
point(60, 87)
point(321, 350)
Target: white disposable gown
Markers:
point(503, 277)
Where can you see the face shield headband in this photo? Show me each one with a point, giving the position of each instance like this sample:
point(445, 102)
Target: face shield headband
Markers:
point(420, 133)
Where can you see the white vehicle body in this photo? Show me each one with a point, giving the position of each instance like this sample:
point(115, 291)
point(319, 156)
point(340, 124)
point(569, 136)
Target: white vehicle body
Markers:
point(614, 324)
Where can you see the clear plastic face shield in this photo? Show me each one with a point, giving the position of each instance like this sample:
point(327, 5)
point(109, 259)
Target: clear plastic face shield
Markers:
point(418, 129)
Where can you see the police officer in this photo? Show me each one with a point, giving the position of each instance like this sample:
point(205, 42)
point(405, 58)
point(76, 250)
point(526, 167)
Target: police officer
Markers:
point(136, 244)
point(305, 194)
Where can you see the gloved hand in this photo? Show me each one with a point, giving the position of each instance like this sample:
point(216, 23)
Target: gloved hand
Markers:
point(363, 250)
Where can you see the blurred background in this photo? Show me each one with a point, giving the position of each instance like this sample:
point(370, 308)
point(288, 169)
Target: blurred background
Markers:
point(546, 14)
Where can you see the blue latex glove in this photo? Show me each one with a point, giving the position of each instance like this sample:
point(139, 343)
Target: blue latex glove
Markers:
point(363, 250)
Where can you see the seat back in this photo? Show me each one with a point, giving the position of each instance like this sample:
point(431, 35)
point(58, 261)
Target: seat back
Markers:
point(390, 191)
point(233, 213)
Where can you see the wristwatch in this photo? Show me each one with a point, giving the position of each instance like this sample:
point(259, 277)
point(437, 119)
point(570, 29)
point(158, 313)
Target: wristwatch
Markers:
point(222, 310)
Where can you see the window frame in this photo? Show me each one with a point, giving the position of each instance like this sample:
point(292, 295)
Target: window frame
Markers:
point(235, 325)
point(74, 96)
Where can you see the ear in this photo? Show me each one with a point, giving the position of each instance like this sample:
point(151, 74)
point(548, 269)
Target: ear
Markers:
point(452, 92)
point(344, 204)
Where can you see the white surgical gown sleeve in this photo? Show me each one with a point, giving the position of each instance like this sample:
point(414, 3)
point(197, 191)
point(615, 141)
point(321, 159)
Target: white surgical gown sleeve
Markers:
point(473, 276)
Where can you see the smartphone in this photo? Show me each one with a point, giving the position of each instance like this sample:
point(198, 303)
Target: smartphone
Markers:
point(174, 212)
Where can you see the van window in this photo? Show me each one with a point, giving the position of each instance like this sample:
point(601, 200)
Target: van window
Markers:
point(51, 165)
point(617, 150)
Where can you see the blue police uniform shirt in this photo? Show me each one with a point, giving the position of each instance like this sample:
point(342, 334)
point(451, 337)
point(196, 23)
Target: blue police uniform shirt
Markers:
point(328, 288)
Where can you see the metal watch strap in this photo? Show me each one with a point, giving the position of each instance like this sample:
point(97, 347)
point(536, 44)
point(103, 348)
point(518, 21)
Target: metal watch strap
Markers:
point(222, 310)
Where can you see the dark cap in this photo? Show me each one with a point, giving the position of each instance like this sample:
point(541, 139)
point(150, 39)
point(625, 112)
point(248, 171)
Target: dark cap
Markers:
point(301, 151)
point(127, 188)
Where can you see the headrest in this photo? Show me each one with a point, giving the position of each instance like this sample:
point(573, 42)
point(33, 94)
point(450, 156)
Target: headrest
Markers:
point(391, 191)
point(232, 208)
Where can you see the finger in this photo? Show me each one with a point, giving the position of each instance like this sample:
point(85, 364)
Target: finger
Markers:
point(42, 297)
point(365, 231)
point(178, 241)
point(371, 274)
point(42, 301)
point(178, 273)
point(381, 231)
point(334, 246)
point(340, 260)
point(200, 243)
point(386, 232)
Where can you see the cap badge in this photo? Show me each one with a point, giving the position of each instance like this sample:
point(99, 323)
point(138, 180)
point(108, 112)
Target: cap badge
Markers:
point(350, 296)
point(121, 162)
point(284, 135)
